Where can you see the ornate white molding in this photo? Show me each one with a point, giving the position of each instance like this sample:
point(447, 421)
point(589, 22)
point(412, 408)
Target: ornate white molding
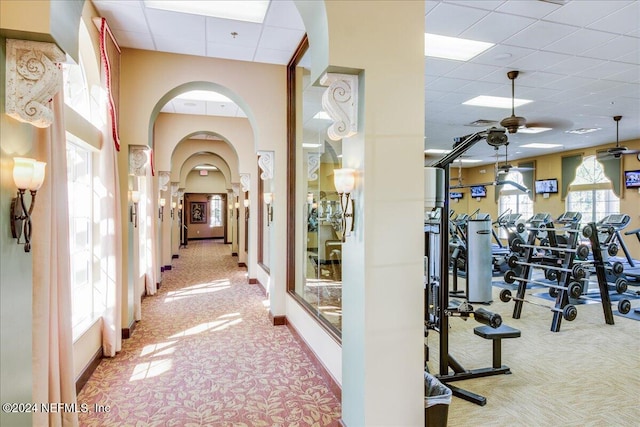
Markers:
point(340, 101)
point(266, 163)
point(235, 187)
point(138, 160)
point(313, 164)
point(174, 188)
point(32, 79)
point(163, 179)
point(245, 182)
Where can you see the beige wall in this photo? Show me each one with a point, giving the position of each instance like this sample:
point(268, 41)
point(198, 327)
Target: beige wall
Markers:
point(202, 231)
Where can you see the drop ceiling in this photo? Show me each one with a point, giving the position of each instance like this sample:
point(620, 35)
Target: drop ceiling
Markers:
point(579, 63)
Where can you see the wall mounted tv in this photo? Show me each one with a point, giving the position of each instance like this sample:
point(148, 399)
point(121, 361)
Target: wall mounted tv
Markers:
point(632, 179)
point(455, 195)
point(478, 191)
point(546, 186)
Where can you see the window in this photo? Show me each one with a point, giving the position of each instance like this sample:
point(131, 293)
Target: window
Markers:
point(514, 199)
point(215, 207)
point(591, 192)
point(79, 181)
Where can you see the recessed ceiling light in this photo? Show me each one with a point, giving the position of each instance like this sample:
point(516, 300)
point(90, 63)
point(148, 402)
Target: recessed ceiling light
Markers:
point(322, 115)
point(310, 145)
point(247, 10)
point(206, 168)
point(533, 130)
point(582, 131)
point(203, 95)
point(452, 47)
point(495, 101)
point(468, 160)
point(540, 145)
point(436, 151)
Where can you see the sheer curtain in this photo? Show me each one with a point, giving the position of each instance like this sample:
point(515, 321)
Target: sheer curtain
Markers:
point(53, 377)
point(109, 250)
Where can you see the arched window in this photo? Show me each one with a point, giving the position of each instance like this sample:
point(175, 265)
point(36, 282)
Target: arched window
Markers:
point(514, 199)
point(591, 192)
point(215, 207)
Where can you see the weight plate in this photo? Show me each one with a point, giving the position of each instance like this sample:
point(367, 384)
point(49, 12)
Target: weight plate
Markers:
point(553, 292)
point(617, 267)
point(505, 295)
point(582, 251)
point(612, 249)
point(510, 276)
point(624, 306)
point(516, 244)
point(570, 312)
point(512, 261)
point(587, 231)
point(575, 290)
point(621, 285)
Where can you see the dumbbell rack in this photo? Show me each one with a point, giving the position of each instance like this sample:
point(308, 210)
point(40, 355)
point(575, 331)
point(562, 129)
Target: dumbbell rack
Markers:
point(562, 265)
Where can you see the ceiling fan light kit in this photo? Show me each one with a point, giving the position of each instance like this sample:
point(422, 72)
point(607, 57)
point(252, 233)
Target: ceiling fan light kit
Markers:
point(617, 151)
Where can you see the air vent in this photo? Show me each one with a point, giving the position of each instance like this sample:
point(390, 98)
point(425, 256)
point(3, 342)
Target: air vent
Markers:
point(482, 123)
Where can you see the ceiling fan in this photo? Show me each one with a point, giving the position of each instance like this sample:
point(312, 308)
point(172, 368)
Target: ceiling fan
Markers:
point(617, 151)
point(505, 168)
point(513, 122)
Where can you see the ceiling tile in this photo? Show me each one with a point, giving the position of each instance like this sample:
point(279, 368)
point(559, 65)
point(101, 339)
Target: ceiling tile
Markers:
point(568, 83)
point(540, 34)
point(502, 55)
point(580, 41)
point(280, 38)
point(134, 40)
point(439, 66)
point(540, 60)
point(615, 48)
point(607, 69)
point(481, 4)
point(219, 31)
point(284, 14)
point(531, 9)
point(576, 65)
point(621, 21)
point(583, 13)
point(471, 71)
point(631, 75)
point(132, 20)
point(496, 27)
point(451, 20)
point(179, 25)
point(183, 46)
point(447, 84)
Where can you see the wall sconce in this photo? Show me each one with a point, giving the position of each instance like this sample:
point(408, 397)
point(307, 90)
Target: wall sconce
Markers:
point(246, 209)
point(161, 210)
point(28, 174)
point(173, 208)
point(230, 210)
point(344, 181)
point(133, 213)
point(268, 200)
point(310, 199)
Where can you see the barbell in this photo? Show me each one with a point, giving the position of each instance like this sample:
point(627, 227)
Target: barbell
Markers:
point(577, 270)
point(581, 251)
point(574, 288)
point(569, 312)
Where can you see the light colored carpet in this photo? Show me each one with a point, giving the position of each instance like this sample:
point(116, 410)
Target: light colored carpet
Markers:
point(588, 374)
point(205, 354)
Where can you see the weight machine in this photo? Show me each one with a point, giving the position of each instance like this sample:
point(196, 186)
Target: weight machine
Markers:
point(438, 309)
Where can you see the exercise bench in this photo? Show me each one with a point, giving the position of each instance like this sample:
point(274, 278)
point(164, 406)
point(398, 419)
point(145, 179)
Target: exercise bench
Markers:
point(497, 335)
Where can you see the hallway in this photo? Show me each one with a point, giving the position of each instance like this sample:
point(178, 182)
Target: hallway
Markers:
point(206, 354)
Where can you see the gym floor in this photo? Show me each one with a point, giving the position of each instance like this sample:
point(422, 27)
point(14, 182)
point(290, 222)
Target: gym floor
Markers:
point(587, 374)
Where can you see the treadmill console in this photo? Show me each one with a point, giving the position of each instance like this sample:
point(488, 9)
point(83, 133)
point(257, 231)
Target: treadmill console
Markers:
point(540, 218)
point(618, 221)
point(569, 218)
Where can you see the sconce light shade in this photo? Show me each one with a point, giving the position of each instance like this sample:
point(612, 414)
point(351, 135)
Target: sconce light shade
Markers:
point(28, 174)
point(173, 205)
point(268, 198)
point(237, 205)
point(135, 196)
point(246, 203)
point(163, 202)
point(310, 198)
point(344, 180)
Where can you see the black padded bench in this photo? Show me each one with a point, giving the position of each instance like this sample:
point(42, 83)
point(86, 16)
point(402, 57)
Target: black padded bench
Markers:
point(497, 334)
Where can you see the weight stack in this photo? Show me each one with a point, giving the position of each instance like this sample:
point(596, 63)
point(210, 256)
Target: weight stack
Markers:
point(479, 261)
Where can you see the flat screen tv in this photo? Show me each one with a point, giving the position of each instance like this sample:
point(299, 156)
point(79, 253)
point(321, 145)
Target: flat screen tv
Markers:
point(455, 195)
point(632, 179)
point(546, 186)
point(478, 191)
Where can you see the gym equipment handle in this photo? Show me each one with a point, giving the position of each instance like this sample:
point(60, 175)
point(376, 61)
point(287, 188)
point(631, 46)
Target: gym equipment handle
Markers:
point(487, 318)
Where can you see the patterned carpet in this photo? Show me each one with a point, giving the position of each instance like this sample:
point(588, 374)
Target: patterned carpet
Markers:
point(205, 354)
